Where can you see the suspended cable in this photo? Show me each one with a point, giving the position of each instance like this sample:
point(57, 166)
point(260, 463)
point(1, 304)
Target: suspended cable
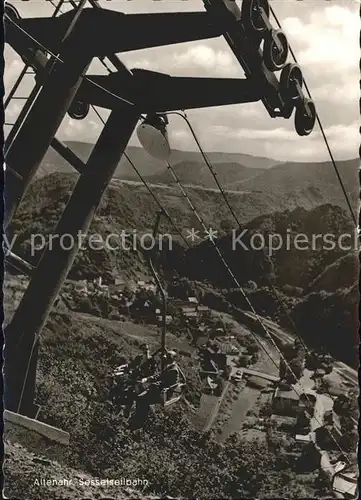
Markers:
point(156, 199)
point(57, 58)
point(131, 103)
point(206, 160)
point(250, 305)
point(276, 294)
point(222, 191)
point(224, 262)
point(13, 265)
point(323, 133)
point(153, 195)
point(27, 65)
point(204, 227)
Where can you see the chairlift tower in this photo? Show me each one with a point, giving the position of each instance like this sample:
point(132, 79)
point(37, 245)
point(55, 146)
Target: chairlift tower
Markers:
point(59, 51)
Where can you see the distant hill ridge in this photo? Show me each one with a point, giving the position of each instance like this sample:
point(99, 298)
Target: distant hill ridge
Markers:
point(315, 182)
point(196, 173)
point(148, 166)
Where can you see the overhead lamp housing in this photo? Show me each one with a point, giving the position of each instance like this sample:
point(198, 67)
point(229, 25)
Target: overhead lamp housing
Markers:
point(153, 136)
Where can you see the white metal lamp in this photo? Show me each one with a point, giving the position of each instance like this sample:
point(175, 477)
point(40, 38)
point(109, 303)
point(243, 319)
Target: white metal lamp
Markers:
point(152, 135)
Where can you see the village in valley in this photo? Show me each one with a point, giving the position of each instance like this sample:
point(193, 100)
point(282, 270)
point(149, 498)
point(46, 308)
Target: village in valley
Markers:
point(224, 364)
point(310, 424)
point(320, 428)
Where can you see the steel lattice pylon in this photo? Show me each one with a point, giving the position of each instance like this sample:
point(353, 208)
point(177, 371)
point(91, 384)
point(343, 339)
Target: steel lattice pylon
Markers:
point(60, 50)
point(28, 70)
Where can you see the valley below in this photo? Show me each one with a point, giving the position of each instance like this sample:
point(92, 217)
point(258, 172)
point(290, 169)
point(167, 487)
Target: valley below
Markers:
point(235, 444)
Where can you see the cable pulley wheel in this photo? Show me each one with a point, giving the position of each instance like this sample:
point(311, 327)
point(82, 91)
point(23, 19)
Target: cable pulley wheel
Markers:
point(275, 54)
point(252, 15)
point(291, 81)
point(305, 117)
point(78, 110)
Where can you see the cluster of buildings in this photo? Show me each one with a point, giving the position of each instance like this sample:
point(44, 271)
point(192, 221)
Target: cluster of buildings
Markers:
point(120, 293)
point(123, 295)
point(191, 312)
point(301, 415)
point(345, 479)
point(113, 289)
point(289, 408)
point(190, 309)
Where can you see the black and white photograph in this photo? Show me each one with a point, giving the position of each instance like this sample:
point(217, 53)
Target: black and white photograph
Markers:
point(181, 249)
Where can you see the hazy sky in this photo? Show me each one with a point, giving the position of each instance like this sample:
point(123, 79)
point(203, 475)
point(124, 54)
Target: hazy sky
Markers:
point(325, 37)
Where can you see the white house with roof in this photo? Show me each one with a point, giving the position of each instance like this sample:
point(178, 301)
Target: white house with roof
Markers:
point(202, 309)
point(190, 314)
point(345, 480)
point(303, 438)
point(286, 402)
point(187, 309)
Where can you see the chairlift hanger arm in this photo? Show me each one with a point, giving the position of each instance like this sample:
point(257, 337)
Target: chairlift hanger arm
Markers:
point(159, 92)
point(154, 272)
point(119, 32)
point(157, 222)
point(162, 291)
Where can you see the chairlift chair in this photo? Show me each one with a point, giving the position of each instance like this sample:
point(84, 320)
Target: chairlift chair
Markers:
point(172, 394)
point(120, 370)
point(178, 391)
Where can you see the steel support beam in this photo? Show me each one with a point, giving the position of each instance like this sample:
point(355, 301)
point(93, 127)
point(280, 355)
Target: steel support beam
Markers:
point(68, 155)
point(121, 33)
point(105, 31)
point(157, 92)
point(23, 331)
point(44, 117)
